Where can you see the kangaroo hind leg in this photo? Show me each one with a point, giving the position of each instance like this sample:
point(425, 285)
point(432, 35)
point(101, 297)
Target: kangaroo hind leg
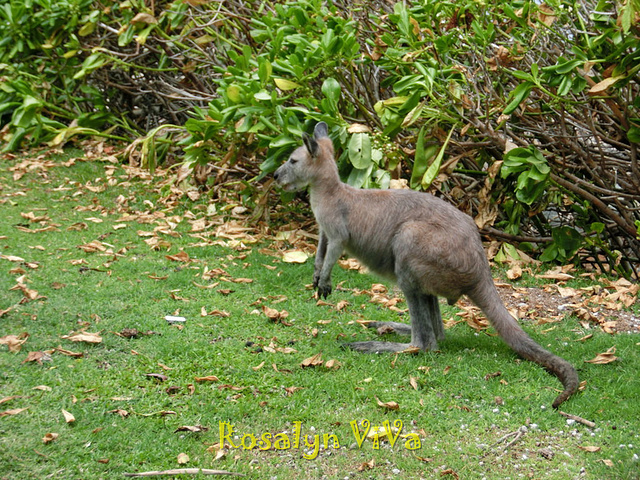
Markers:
point(429, 307)
point(425, 315)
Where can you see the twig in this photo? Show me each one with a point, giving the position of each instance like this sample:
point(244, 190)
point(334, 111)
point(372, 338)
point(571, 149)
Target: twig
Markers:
point(588, 423)
point(517, 435)
point(183, 471)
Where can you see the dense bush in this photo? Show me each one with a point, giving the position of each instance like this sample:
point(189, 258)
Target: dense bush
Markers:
point(525, 115)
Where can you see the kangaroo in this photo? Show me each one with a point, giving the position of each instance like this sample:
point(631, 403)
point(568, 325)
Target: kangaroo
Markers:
point(424, 244)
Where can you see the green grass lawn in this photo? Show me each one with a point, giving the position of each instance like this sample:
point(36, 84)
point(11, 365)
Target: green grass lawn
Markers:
point(131, 393)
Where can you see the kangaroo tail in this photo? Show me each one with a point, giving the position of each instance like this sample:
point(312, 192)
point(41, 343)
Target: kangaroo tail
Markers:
point(488, 300)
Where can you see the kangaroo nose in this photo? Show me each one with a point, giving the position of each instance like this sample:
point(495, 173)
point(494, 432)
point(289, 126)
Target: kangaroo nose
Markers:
point(276, 174)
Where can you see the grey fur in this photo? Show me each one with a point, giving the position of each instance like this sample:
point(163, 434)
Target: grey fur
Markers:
point(423, 243)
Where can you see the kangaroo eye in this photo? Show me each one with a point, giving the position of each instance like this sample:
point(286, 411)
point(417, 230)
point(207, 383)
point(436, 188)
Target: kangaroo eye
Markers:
point(293, 161)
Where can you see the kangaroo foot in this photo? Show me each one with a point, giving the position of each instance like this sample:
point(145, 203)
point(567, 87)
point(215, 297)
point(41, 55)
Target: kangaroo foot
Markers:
point(379, 347)
point(391, 327)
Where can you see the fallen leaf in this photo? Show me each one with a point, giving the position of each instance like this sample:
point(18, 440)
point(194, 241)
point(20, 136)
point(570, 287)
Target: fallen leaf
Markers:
point(367, 465)
point(388, 405)
point(273, 314)
point(210, 378)
point(413, 381)
point(37, 357)
point(332, 364)
point(449, 471)
point(87, 337)
point(157, 376)
point(43, 388)
point(123, 413)
point(12, 258)
point(600, 87)
point(181, 256)
point(312, 361)
point(604, 358)
point(294, 256)
point(292, 390)
point(69, 353)
point(183, 458)
point(258, 367)
point(13, 411)
point(92, 247)
point(14, 342)
point(590, 448)
point(214, 313)
point(68, 417)
point(190, 428)
point(49, 437)
point(514, 272)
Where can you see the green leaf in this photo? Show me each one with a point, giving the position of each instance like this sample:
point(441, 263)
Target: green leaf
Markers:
point(422, 156)
point(234, 93)
point(360, 150)
point(265, 69)
point(518, 95)
point(331, 90)
point(285, 85)
point(262, 95)
point(434, 168)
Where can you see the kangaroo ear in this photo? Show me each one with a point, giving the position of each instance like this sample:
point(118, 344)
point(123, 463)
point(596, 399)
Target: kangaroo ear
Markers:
point(310, 143)
point(321, 130)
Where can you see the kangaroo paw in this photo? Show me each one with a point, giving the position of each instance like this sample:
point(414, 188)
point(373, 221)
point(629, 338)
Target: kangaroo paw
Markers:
point(378, 347)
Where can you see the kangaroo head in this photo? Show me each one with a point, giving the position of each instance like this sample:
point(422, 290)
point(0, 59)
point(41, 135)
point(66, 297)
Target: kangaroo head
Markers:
point(307, 163)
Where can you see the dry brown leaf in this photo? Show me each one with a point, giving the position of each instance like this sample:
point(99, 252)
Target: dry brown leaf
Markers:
point(313, 361)
point(86, 337)
point(367, 465)
point(191, 428)
point(332, 364)
point(13, 411)
point(8, 399)
point(37, 357)
point(602, 86)
point(157, 376)
point(123, 413)
point(209, 378)
point(388, 405)
point(449, 471)
point(258, 367)
point(341, 305)
point(514, 272)
point(273, 314)
point(12, 258)
point(413, 381)
point(214, 313)
point(604, 358)
point(92, 247)
point(292, 390)
point(68, 353)
point(68, 417)
point(14, 342)
point(294, 256)
point(49, 437)
point(181, 256)
point(590, 448)
point(183, 458)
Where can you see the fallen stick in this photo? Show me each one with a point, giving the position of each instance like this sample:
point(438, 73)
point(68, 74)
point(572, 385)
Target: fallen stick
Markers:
point(183, 471)
point(584, 421)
